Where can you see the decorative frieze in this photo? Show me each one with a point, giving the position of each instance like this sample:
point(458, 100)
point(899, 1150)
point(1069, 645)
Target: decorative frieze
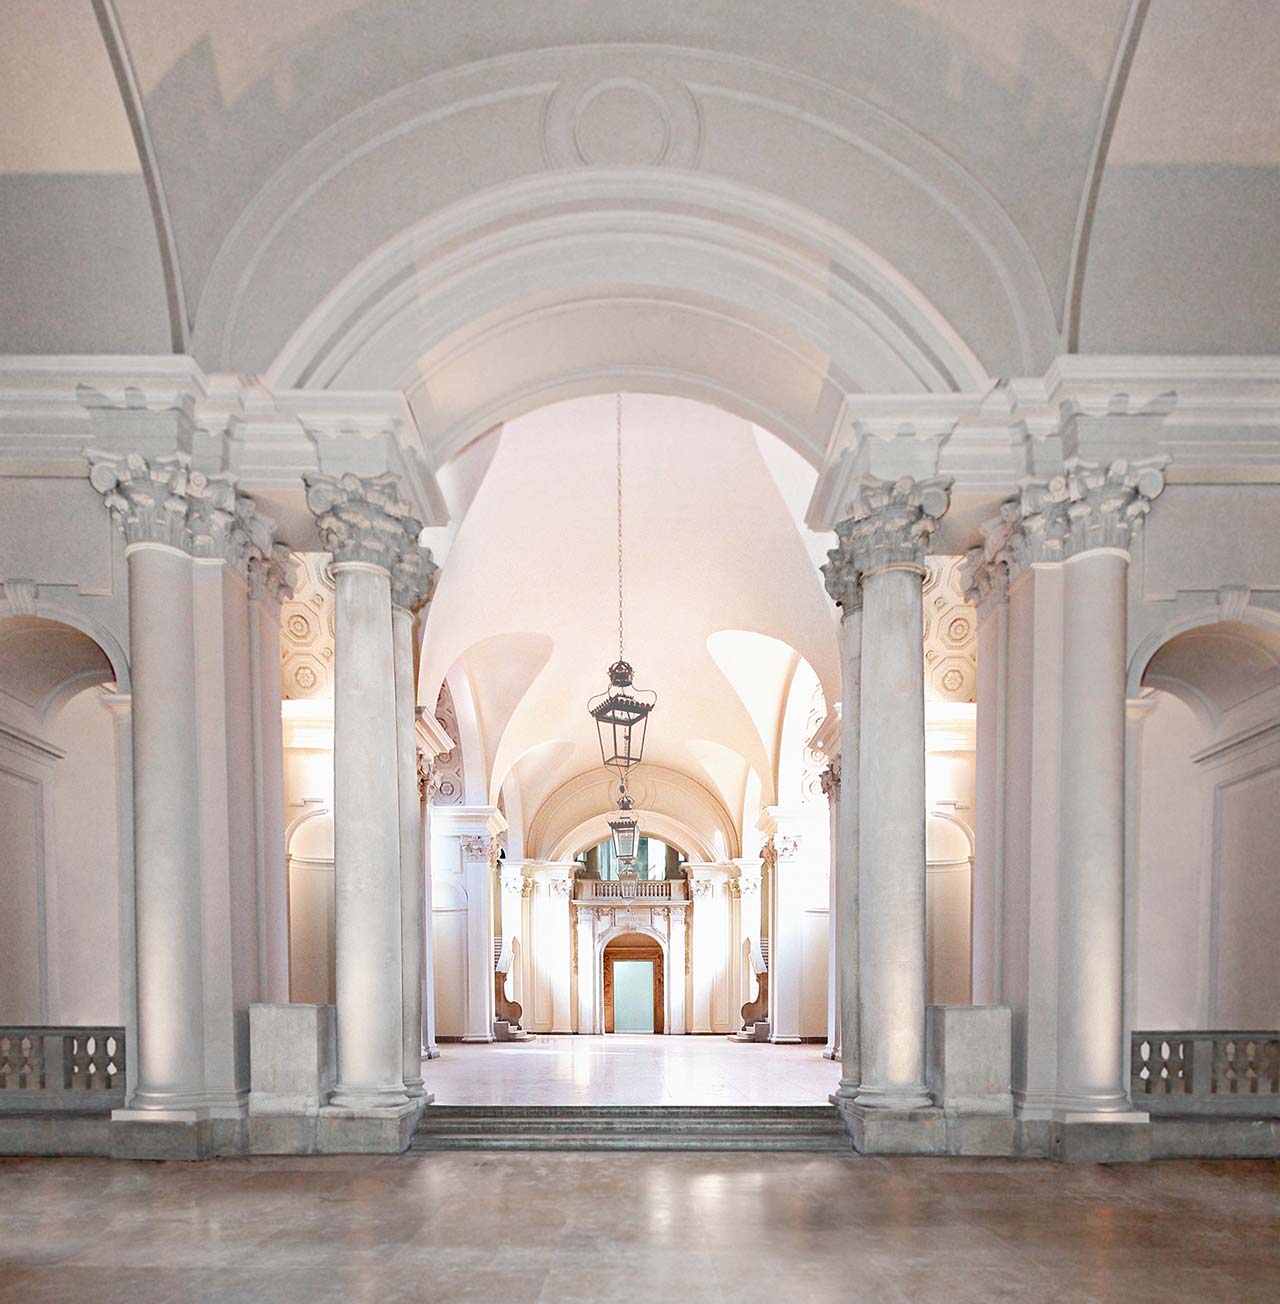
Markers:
point(161, 500)
point(362, 519)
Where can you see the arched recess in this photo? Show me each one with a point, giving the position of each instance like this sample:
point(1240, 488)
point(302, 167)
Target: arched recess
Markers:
point(633, 945)
point(309, 863)
point(1204, 757)
point(66, 821)
point(618, 932)
point(948, 909)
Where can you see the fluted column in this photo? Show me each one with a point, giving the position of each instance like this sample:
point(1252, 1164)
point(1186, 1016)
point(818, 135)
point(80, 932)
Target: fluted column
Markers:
point(366, 528)
point(413, 580)
point(1087, 517)
point(886, 542)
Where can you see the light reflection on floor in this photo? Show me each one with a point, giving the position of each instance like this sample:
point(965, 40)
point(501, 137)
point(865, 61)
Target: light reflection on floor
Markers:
point(630, 1070)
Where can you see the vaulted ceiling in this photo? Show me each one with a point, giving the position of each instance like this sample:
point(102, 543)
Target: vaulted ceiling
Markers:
point(770, 206)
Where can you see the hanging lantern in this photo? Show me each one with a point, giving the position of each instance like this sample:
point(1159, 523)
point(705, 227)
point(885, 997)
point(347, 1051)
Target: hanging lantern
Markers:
point(626, 831)
point(621, 712)
point(621, 715)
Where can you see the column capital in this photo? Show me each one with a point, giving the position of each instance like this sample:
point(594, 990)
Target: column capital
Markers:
point(361, 519)
point(272, 577)
point(1085, 506)
point(829, 779)
point(891, 525)
point(413, 578)
point(162, 500)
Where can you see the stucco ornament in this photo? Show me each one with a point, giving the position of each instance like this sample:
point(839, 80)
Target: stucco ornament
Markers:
point(163, 500)
point(413, 578)
point(891, 524)
point(362, 519)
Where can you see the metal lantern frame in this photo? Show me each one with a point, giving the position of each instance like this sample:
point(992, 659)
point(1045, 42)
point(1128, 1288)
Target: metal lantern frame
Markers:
point(622, 717)
point(626, 832)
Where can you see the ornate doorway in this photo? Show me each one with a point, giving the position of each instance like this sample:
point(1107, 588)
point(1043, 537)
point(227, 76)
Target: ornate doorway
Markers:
point(630, 948)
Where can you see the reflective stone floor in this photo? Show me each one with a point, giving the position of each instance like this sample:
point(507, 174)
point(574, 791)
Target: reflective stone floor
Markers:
point(621, 1227)
point(630, 1070)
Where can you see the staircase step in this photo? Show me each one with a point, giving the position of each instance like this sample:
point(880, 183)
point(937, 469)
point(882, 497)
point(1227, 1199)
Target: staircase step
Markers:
point(632, 1127)
point(656, 1140)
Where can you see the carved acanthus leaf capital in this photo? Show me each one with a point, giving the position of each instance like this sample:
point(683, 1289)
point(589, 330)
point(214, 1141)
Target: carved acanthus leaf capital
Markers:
point(413, 577)
point(1086, 506)
point(362, 519)
point(162, 500)
point(273, 576)
point(892, 524)
point(830, 780)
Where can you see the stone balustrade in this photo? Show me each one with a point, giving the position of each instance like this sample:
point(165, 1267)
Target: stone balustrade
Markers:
point(69, 1070)
point(642, 889)
point(1207, 1073)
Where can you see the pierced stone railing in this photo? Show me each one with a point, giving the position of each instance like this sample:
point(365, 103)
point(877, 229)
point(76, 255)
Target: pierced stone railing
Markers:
point(1206, 1073)
point(643, 889)
point(46, 1070)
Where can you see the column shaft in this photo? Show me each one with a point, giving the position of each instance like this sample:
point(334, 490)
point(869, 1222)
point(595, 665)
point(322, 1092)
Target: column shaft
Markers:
point(166, 831)
point(891, 854)
point(411, 867)
point(988, 867)
point(1091, 883)
point(847, 895)
point(367, 907)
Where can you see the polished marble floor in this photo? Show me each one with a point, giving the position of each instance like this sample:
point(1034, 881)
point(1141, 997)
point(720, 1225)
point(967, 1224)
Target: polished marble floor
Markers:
point(697, 1228)
point(630, 1070)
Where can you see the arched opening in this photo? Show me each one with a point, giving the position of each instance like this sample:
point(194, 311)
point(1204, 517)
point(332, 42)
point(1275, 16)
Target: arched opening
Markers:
point(309, 846)
point(1206, 756)
point(634, 981)
point(65, 829)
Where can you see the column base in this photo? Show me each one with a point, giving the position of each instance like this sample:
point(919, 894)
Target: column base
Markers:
point(776, 1039)
point(414, 1088)
point(431, 1052)
point(342, 1130)
point(899, 1099)
point(366, 1100)
point(882, 1131)
point(479, 1038)
point(831, 1053)
point(1103, 1137)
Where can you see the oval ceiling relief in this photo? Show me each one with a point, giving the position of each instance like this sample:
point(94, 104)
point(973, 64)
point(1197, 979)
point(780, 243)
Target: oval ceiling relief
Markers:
point(622, 121)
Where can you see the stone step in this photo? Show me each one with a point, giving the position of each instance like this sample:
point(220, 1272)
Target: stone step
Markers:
point(751, 1113)
point(802, 1127)
point(663, 1139)
point(632, 1127)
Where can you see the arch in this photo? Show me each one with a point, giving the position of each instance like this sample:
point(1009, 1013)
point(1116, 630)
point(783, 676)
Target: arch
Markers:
point(95, 631)
point(613, 934)
point(951, 821)
point(1162, 634)
point(590, 833)
point(1008, 302)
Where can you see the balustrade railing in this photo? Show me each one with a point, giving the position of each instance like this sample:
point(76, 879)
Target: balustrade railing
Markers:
point(1206, 1073)
point(643, 889)
point(61, 1069)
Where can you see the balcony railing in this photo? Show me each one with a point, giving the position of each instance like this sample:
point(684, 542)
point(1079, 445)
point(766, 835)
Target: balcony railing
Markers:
point(643, 889)
point(1207, 1073)
point(76, 1070)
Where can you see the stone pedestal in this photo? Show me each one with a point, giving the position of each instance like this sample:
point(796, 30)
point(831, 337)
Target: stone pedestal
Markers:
point(968, 1058)
point(293, 1063)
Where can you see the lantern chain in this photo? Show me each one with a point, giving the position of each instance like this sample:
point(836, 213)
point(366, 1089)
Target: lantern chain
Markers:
point(619, 446)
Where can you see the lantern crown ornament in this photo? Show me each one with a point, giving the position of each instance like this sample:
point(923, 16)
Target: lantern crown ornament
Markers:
point(621, 712)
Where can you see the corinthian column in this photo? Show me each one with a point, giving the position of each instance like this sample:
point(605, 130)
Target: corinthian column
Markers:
point(366, 528)
point(412, 582)
point(887, 541)
point(1087, 517)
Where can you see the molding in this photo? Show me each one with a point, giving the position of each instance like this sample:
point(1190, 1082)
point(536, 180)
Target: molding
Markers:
point(467, 821)
point(134, 106)
point(1117, 82)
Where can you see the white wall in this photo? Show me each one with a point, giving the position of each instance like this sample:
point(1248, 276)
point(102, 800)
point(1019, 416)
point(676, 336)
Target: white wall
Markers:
point(1170, 990)
point(84, 932)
